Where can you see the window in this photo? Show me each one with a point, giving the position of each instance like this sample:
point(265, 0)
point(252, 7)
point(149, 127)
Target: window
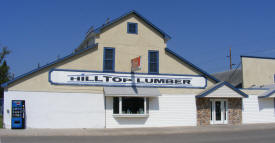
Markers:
point(116, 105)
point(109, 59)
point(153, 62)
point(130, 105)
point(132, 28)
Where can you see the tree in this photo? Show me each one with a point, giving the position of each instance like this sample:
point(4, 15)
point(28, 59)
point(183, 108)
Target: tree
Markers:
point(5, 75)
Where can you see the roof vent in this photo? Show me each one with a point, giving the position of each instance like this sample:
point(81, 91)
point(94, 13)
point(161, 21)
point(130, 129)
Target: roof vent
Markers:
point(261, 86)
point(91, 29)
point(108, 20)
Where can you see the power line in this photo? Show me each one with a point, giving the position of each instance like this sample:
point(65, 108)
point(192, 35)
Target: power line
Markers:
point(234, 71)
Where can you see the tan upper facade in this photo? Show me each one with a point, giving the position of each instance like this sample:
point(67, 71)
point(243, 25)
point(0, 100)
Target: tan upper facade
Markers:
point(127, 46)
point(257, 71)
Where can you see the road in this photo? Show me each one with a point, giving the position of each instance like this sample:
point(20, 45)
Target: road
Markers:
point(250, 136)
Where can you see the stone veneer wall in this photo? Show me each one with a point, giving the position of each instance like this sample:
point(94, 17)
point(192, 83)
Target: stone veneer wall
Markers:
point(234, 111)
point(203, 111)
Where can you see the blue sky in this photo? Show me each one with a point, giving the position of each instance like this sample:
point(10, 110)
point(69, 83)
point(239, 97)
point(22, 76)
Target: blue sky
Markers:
point(202, 30)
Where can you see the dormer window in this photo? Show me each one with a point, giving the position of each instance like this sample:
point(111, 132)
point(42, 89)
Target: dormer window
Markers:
point(132, 28)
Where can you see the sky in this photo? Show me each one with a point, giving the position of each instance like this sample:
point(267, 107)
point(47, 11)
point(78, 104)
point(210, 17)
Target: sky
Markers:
point(202, 31)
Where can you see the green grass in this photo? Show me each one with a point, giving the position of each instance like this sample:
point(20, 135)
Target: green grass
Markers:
point(1, 121)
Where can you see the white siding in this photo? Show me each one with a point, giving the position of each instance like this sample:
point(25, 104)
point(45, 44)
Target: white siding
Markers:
point(224, 91)
point(258, 110)
point(58, 110)
point(165, 110)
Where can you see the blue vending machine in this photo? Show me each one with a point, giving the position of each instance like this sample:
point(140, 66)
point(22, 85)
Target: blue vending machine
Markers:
point(18, 114)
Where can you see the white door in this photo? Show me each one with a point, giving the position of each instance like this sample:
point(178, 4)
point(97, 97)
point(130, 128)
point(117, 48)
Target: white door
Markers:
point(219, 111)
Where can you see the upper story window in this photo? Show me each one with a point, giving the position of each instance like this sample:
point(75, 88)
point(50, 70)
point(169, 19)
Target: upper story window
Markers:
point(109, 59)
point(153, 62)
point(132, 28)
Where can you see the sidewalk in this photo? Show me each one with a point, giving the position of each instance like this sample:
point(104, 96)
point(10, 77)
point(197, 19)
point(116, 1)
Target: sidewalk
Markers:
point(135, 131)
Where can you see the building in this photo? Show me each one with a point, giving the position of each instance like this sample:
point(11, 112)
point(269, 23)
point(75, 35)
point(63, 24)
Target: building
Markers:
point(256, 78)
point(258, 71)
point(95, 87)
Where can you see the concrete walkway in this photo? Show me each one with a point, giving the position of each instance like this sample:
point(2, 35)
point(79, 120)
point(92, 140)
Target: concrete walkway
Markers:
point(135, 131)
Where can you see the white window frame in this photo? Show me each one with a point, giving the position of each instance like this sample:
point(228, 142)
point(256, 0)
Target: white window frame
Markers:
point(120, 114)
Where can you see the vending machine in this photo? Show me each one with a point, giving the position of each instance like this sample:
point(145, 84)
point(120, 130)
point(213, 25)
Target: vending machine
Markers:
point(18, 114)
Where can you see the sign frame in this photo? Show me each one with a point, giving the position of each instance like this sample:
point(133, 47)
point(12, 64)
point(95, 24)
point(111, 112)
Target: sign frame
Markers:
point(137, 74)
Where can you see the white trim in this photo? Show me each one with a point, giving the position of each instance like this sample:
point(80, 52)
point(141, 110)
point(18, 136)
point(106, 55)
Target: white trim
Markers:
point(145, 103)
point(224, 92)
point(222, 121)
point(128, 95)
point(120, 105)
point(130, 115)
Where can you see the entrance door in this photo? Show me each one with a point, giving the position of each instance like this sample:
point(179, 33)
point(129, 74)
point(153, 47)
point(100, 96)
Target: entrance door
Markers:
point(219, 111)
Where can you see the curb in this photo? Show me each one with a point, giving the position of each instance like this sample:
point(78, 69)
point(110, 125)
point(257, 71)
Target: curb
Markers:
point(136, 131)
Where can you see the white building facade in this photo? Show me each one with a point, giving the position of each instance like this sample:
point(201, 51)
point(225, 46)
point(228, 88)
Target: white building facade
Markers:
point(96, 87)
point(258, 81)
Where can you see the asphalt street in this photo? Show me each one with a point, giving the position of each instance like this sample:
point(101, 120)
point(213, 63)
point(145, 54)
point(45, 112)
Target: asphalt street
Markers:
point(249, 136)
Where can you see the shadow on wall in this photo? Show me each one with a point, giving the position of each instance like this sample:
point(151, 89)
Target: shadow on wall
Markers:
point(153, 104)
point(242, 105)
point(266, 103)
point(235, 103)
point(132, 121)
point(1, 106)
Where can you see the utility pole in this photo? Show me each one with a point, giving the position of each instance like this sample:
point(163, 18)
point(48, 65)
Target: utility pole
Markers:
point(230, 59)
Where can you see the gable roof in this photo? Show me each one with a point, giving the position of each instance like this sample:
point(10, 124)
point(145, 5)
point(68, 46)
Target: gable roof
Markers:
point(48, 65)
point(234, 77)
point(192, 65)
point(99, 29)
point(219, 85)
point(269, 93)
